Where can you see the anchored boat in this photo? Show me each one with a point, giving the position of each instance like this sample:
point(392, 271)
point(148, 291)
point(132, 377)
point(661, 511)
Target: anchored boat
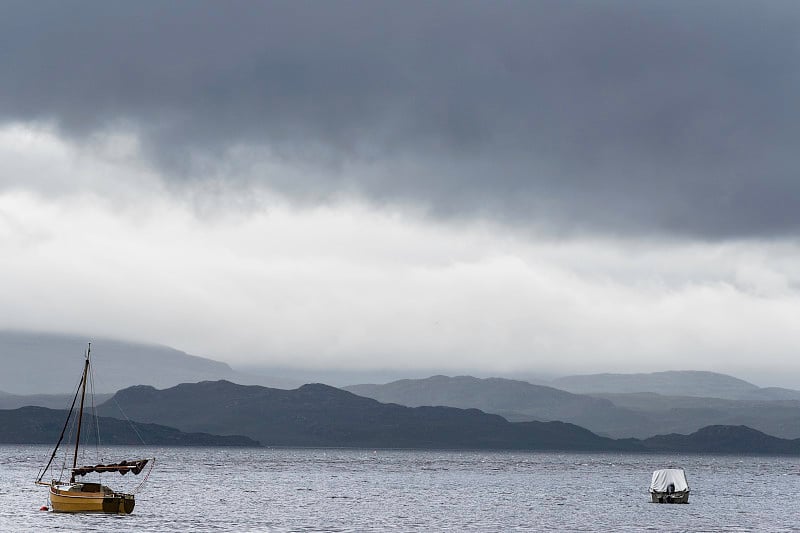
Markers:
point(76, 496)
point(669, 486)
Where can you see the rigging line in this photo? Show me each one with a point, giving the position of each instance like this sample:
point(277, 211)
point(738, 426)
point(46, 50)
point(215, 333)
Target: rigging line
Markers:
point(133, 426)
point(70, 436)
point(146, 477)
point(66, 422)
point(80, 411)
point(94, 415)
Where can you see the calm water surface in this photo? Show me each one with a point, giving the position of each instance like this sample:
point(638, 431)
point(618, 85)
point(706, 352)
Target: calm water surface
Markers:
point(217, 489)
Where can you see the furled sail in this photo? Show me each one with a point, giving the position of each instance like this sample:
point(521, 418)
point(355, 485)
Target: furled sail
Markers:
point(123, 467)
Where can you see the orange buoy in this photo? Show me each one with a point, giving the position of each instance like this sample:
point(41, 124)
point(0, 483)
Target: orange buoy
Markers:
point(43, 508)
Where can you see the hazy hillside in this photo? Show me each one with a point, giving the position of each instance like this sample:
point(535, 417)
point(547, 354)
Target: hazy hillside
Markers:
point(674, 414)
point(674, 383)
point(319, 415)
point(656, 403)
point(51, 401)
point(638, 415)
point(37, 363)
point(771, 394)
point(38, 425)
point(650, 402)
point(512, 399)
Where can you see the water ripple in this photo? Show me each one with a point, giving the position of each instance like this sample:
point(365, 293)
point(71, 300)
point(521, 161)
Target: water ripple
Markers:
point(294, 490)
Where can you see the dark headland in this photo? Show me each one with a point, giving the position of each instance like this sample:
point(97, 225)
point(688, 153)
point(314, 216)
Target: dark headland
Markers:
point(39, 425)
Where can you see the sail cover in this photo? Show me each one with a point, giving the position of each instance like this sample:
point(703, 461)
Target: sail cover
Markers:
point(663, 478)
point(123, 467)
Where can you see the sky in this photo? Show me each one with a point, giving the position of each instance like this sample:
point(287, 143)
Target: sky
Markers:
point(516, 188)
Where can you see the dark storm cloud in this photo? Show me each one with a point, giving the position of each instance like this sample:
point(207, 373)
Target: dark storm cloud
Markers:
point(675, 117)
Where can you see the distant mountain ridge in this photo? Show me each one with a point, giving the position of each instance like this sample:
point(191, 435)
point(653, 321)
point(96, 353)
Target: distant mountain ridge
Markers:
point(35, 362)
point(39, 425)
point(512, 399)
point(619, 415)
point(44, 363)
point(50, 401)
point(671, 383)
point(319, 415)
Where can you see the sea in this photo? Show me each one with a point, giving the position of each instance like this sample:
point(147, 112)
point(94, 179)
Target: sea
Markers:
point(342, 490)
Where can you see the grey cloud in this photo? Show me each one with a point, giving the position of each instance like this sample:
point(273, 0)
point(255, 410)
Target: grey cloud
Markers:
point(671, 117)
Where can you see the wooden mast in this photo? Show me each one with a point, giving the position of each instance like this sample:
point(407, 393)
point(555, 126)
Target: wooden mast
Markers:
point(80, 411)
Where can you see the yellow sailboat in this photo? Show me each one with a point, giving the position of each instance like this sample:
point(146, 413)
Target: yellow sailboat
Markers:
point(75, 496)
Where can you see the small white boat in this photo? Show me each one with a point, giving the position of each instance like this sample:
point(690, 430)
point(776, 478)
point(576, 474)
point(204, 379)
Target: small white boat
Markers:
point(669, 486)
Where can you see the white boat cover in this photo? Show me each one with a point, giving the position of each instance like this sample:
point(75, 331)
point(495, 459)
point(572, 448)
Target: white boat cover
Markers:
point(662, 479)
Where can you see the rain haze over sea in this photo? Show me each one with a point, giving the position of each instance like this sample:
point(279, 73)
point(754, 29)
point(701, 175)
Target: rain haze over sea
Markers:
point(223, 489)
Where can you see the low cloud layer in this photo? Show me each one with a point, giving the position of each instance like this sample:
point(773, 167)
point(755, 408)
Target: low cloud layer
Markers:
point(352, 287)
point(615, 118)
point(507, 188)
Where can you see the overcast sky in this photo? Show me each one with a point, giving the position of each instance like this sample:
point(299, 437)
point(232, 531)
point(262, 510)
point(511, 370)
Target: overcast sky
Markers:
point(501, 188)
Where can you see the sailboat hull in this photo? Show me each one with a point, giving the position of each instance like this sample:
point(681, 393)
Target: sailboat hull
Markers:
point(69, 501)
